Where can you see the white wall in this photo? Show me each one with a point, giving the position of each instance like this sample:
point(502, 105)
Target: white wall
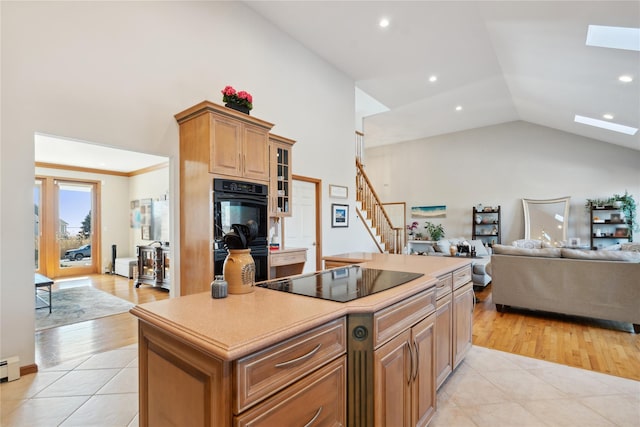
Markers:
point(501, 165)
point(150, 185)
point(115, 73)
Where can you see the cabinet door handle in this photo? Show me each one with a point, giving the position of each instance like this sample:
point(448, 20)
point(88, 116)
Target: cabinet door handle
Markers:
point(298, 359)
point(408, 344)
point(415, 345)
point(315, 417)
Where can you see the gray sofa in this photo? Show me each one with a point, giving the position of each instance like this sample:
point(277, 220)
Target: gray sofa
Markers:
point(596, 284)
point(480, 266)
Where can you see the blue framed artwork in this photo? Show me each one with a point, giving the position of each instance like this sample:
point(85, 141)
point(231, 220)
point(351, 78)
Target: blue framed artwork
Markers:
point(339, 215)
point(429, 211)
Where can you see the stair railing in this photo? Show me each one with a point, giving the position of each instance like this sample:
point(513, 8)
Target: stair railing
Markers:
point(391, 237)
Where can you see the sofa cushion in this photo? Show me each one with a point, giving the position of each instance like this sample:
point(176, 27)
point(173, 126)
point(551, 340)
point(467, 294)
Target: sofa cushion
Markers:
point(627, 256)
point(425, 250)
point(442, 246)
point(541, 252)
point(634, 247)
point(615, 247)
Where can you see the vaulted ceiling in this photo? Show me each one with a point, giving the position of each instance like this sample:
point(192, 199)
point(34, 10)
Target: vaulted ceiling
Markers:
point(498, 61)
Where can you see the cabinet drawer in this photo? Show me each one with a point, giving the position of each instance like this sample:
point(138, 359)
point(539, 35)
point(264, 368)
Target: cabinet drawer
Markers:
point(262, 374)
point(444, 285)
point(461, 276)
point(287, 258)
point(389, 322)
point(316, 400)
point(334, 264)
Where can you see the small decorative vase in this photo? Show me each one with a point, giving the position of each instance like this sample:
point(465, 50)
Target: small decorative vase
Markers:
point(478, 219)
point(237, 107)
point(239, 271)
point(219, 287)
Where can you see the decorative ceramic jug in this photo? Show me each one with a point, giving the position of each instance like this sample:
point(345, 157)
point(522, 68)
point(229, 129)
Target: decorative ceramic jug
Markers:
point(239, 271)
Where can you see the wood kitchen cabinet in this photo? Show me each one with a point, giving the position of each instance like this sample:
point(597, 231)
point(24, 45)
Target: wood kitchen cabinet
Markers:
point(463, 304)
point(444, 337)
point(281, 186)
point(287, 262)
point(401, 380)
point(215, 141)
point(454, 317)
point(239, 146)
point(300, 379)
point(404, 377)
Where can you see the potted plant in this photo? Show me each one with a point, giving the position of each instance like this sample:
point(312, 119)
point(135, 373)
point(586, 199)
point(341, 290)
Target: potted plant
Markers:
point(436, 232)
point(240, 101)
point(412, 228)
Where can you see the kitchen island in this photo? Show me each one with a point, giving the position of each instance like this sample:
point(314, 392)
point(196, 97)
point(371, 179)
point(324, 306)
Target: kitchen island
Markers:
point(275, 358)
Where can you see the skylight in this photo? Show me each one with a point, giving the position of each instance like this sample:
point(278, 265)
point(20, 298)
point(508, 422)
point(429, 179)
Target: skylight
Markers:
point(614, 37)
point(606, 125)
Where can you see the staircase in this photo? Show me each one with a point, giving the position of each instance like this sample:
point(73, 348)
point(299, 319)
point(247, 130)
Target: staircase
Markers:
point(372, 213)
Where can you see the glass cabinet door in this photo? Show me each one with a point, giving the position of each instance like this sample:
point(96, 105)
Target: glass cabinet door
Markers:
point(280, 200)
point(147, 262)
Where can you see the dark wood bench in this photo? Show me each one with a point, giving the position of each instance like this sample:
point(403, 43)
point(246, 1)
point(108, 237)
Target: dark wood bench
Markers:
point(42, 283)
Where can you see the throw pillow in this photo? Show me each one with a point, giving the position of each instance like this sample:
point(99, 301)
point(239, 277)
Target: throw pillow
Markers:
point(442, 246)
point(615, 247)
point(633, 247)
point(528, 243)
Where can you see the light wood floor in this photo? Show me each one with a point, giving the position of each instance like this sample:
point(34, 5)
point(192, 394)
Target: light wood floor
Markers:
point(608, 347)
point(64, 343)
point(596, 345)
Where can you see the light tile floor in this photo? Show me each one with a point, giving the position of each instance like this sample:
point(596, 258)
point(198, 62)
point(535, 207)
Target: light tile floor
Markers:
point(490, 388)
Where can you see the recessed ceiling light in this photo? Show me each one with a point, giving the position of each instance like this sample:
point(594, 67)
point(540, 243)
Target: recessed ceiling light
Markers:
point(607, 116)
point(606, 125)
point(625, 79)
point(384, 23)
point(459, 108)
point(433, 78)
point(614, 37)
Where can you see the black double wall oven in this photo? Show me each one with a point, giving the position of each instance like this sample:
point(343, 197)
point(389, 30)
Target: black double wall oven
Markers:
point(237, 202)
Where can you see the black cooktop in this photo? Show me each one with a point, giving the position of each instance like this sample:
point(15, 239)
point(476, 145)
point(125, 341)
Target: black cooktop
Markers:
point(341, 284)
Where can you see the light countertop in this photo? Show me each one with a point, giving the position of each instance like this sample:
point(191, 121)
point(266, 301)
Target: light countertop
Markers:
point(238, 325)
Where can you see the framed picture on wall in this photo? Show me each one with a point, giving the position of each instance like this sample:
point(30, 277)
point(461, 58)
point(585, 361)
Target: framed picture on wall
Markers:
point(338, 191)
point(621, 232)
point(339, 215)
point(145, 232)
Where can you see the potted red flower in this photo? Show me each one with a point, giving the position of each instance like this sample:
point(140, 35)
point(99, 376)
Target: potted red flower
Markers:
point(240, 101)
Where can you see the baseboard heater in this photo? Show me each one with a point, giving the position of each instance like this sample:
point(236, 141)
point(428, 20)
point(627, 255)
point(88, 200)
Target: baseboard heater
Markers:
point(10, 369)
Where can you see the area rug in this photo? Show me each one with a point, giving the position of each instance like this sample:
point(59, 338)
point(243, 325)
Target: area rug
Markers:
point(72, 305)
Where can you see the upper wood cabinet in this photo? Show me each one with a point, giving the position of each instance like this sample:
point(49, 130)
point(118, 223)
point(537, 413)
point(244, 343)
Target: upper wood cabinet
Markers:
point(239, 147)
point(235, 144)
point(281, 185)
